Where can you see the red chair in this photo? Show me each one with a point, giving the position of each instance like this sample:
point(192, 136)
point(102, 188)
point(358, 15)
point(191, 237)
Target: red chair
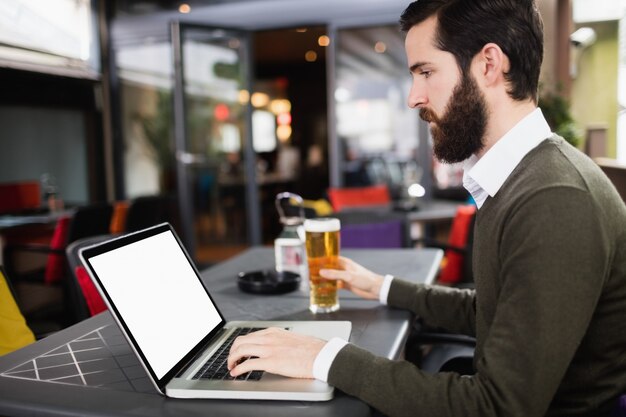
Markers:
point(55, 265)
point(456, 266)
point(20, 196)
point(32, 286)
point(82, 292)
point(54, 269)
point(95, 303)
point(341, 198)
point(457, 263)
point(39, 292)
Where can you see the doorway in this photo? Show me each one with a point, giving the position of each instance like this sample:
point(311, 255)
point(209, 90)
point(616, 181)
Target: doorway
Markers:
point(290, 79)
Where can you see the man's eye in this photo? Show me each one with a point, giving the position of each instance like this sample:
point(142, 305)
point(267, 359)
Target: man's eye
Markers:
point(426, 74)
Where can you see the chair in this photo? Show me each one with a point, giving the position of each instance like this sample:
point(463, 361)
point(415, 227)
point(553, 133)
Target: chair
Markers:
point(45, 293)
point(85, 298)
point(39, 292)
point(385, 234)
point(14, 332)
point(85, 221)
point(90, 220)
point(320, 208)
point(374, 229)
point(118, 218)
point(456, 267)
point(616, 172)
point(341, 198)
point(435, 350)
point(20, 196)
point(147, 211)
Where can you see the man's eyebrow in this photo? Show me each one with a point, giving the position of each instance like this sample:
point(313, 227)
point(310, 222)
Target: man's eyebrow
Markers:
point(417, 66)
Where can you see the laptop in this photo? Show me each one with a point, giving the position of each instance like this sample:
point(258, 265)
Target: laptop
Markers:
point(155, 294)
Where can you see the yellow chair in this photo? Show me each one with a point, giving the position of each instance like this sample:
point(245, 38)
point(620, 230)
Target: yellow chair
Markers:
point(321, 207)
point(14, 332)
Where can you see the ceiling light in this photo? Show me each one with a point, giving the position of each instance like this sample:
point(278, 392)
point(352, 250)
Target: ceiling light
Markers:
point(342, 94)
point(243, 96)
point(260, 99)
point(416, 190)
point(380, 47)
point(283, 133)
point(278, 106)
point(323, 40)
point(310, 56)
point(184, 8)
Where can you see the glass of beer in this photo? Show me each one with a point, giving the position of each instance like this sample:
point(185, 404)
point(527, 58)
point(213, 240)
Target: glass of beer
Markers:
point(322, 251)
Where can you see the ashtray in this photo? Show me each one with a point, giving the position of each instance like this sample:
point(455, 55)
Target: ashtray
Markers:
point(268, 281)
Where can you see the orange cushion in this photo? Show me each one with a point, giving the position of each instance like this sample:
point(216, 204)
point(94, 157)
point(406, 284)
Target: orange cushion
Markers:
point(94, 300)
point(118, 219)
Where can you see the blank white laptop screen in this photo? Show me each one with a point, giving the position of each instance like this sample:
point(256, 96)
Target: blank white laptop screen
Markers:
point(178, 308)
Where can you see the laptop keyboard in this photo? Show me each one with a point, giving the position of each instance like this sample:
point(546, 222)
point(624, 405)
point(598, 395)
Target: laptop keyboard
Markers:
point(216, 366)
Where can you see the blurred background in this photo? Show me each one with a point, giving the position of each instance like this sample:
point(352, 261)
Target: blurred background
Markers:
point(223, 104)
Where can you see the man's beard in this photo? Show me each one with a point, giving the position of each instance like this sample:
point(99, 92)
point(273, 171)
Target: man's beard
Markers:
point(459, 132)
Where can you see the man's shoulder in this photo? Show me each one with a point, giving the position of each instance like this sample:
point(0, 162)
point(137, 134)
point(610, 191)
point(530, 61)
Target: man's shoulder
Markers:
point(557, 170)
point(555, 163)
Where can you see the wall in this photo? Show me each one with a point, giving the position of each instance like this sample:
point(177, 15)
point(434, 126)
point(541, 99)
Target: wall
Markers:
point(34, 141)
point(547, 8)
point(594, 90)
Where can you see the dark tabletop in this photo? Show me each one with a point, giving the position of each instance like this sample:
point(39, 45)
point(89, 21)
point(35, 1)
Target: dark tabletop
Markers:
point(90, 370)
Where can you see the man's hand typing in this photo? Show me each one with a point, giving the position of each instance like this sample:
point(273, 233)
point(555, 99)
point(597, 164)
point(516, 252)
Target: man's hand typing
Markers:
point(276, 351)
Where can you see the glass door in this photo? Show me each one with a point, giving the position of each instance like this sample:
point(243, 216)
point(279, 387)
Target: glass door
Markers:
point(214, 156)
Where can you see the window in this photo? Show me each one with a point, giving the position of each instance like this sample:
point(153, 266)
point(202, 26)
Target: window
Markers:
point(50, 36)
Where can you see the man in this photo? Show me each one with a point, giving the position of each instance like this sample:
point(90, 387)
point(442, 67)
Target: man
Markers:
point(549, 261)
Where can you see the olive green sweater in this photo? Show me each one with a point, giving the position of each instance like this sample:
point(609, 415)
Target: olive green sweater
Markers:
point(548, 312)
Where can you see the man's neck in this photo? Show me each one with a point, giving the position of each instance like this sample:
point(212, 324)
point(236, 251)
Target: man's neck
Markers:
point(502, 118)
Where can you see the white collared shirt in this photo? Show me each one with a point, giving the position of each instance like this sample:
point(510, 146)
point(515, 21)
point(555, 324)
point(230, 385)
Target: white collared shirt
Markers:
point(483, 177)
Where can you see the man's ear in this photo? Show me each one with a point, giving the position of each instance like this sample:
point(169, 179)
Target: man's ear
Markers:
point(492, 63)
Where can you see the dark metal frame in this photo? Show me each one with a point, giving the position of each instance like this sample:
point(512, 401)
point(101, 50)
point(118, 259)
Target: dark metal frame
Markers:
point(185, 197)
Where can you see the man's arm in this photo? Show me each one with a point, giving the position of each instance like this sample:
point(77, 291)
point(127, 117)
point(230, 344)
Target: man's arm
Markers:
point(449, 308)
point(552, 278)
point(541, 317)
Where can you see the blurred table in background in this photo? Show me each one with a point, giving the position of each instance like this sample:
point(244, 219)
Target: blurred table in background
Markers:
point(429, 218)
point(28, 226)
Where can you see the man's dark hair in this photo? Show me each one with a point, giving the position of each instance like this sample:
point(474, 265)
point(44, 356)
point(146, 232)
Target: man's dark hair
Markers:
point(465, 26)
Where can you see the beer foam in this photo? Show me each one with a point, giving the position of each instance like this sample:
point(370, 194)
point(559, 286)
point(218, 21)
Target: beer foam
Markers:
point(322, 225)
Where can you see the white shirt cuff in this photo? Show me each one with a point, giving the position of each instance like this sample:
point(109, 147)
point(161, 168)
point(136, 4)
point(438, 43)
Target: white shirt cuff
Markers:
point(325, 358)
point(384, 289)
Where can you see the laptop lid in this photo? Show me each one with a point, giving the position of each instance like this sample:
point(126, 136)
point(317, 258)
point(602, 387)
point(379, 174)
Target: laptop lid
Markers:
point(167, 321)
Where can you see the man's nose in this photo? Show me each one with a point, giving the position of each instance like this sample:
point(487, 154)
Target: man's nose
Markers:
point(417, 96)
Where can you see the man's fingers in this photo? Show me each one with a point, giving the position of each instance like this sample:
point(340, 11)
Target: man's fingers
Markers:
point(336, 274)
point(256, 344)
point(249, 365)
point(239, 354)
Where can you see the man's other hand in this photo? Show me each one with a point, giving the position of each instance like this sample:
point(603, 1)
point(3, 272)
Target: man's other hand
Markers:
point(356, 278)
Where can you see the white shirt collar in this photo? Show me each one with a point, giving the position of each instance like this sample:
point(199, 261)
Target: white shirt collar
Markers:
point(483, 177)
